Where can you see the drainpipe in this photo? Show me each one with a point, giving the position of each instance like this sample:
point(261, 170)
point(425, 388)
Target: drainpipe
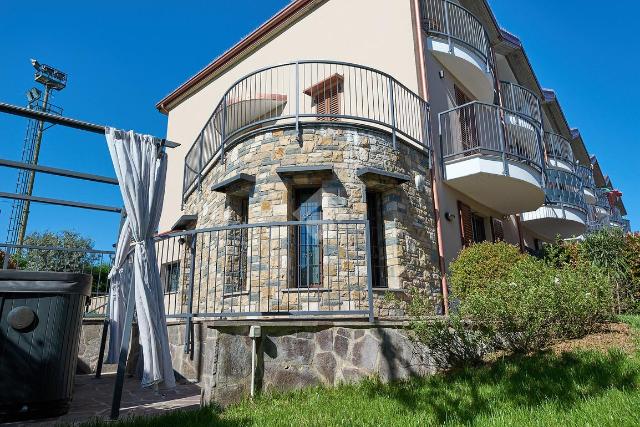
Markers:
point(255, 333)
point(434, 187)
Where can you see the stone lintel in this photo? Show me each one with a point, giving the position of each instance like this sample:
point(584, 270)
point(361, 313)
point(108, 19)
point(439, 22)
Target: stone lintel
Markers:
point(289, 171)
point(381, 179)
point(237, 185)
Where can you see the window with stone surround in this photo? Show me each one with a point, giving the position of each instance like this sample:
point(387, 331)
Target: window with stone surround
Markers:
point(237, 245)
point(307, 239)
point(377, 239)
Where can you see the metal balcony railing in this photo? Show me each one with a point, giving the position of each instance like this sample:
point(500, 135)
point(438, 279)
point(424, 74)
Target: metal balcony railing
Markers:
point(559, 148)
point(586, 174)
point(450, 21)
point(602, 200)
point(521, 100)
point(479, 128)
point(269, 269)
point(563, 188)
point(301, 92)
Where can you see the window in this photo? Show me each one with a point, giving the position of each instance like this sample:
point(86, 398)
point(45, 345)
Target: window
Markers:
point(479, 234)
point(497, 230)
point(170, 276)
point(376, 230)
point(237, 245)
point(467, 120)
point(307, 238)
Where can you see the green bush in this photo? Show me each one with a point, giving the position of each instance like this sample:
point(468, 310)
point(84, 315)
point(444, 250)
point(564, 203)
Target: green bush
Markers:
point(583, 299)
point(452, 342)
point(481, 264)
point(633, 259)
point(517, 305)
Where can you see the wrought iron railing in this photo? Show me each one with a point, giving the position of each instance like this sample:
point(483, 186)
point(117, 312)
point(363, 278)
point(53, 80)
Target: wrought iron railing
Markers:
point(586, 174)
point(479, 128)
point(97, 263)
point(520, 99)
point(320, 268)
point(563, 188)
point(457, 25)
point(302, 92)
point(559, 148)
point(602, 200)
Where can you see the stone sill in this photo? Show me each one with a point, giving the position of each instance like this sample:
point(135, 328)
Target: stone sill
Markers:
point(304, 290)
point(235, 294)
point(385, 290)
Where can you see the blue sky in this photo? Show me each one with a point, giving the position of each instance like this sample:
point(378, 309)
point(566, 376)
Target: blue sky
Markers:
point(123, 58)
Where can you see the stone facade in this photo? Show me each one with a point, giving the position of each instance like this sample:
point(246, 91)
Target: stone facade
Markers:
point(261, 275)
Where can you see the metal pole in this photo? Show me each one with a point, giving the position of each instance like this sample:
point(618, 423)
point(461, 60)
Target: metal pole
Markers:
point(505, 167)
point(393, 112)
point(297, 99)
point(446, 24)
point(124, 347)
point(367, 244)
point(192, 268)
point(32, 175)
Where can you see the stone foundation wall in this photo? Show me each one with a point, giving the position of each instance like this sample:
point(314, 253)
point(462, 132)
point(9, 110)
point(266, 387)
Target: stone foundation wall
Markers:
point(290, 355)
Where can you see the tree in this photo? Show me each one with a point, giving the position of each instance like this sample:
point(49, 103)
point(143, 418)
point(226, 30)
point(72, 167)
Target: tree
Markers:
point(68, 252)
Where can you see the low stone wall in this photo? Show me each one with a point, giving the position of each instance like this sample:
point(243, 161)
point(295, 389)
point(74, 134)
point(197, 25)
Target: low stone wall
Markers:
point(290, 355)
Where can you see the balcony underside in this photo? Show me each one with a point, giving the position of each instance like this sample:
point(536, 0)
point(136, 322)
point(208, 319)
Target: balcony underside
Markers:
point(600, 212)
point(482, 178)
point(550, 221)
point(560, 164)
point(589, 196)
point(466, 66)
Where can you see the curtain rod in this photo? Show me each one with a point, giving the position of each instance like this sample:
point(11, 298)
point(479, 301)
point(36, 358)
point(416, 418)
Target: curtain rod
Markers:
point(60, 120)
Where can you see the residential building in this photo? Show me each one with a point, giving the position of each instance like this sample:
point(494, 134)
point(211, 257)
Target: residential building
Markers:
point(344, 151)
point(334, 166)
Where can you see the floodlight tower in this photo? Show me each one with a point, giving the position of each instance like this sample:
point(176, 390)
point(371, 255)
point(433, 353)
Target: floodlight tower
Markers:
point(52, 79)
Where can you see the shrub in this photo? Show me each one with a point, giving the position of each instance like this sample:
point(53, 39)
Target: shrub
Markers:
point(583, 299)
point(517, 306)
point(633, 259)
point(606, 249)
point(481, 264)
point(451, 342)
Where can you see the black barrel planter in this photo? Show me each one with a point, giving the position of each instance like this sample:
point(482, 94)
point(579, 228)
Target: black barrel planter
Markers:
point(40, 320)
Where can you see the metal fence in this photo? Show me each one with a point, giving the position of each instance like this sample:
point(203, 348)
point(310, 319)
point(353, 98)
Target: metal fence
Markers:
point(602, 200)
point(456, 24)
point(521, 100)
point(271, 269)
point(307, 92)
point(97, 263)
point(479, 128)
point(559, 148)
point(586, 174)
point(564, 188)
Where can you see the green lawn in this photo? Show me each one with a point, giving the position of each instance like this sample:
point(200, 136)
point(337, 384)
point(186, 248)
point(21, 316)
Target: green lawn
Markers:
point(574, 389)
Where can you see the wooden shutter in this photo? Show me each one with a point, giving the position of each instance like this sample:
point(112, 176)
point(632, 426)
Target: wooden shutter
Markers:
point(466, 224)
point(497, 230)
point(326, 96)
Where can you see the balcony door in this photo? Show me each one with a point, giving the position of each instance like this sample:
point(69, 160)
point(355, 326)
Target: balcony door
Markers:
point(308, 207)
point(467, 118)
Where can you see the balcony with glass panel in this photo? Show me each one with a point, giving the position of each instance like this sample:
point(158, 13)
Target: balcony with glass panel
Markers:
point(564, 213)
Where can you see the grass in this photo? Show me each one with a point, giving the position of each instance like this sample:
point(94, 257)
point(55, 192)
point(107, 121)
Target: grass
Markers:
point(578, 388)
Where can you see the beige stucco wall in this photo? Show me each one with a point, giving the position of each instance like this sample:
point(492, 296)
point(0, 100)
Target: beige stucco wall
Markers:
point(376, 33)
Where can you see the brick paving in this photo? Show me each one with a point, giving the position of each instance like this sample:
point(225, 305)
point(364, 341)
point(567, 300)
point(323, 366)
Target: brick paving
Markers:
point(92, 399)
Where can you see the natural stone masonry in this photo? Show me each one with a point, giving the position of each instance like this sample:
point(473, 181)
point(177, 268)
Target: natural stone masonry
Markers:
point(269, 273)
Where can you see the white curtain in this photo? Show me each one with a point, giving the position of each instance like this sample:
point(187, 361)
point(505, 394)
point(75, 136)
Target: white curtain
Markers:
point(141, 169)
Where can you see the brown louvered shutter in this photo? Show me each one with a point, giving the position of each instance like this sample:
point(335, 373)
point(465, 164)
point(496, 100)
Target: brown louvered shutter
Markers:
point(467, 119)
point(497, 230)
point(326, 96)
point(466, 224)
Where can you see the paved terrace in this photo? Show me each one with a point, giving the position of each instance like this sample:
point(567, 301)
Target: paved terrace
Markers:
point(92, 399)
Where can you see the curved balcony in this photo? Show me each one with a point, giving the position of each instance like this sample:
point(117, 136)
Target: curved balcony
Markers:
point(588, 183)
point(493, 155)
point(298, 93)
point(617, 220)
point(559, 152)
point(564, 212)
point(460, 42)
point(602, 208)
point(521, 100)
